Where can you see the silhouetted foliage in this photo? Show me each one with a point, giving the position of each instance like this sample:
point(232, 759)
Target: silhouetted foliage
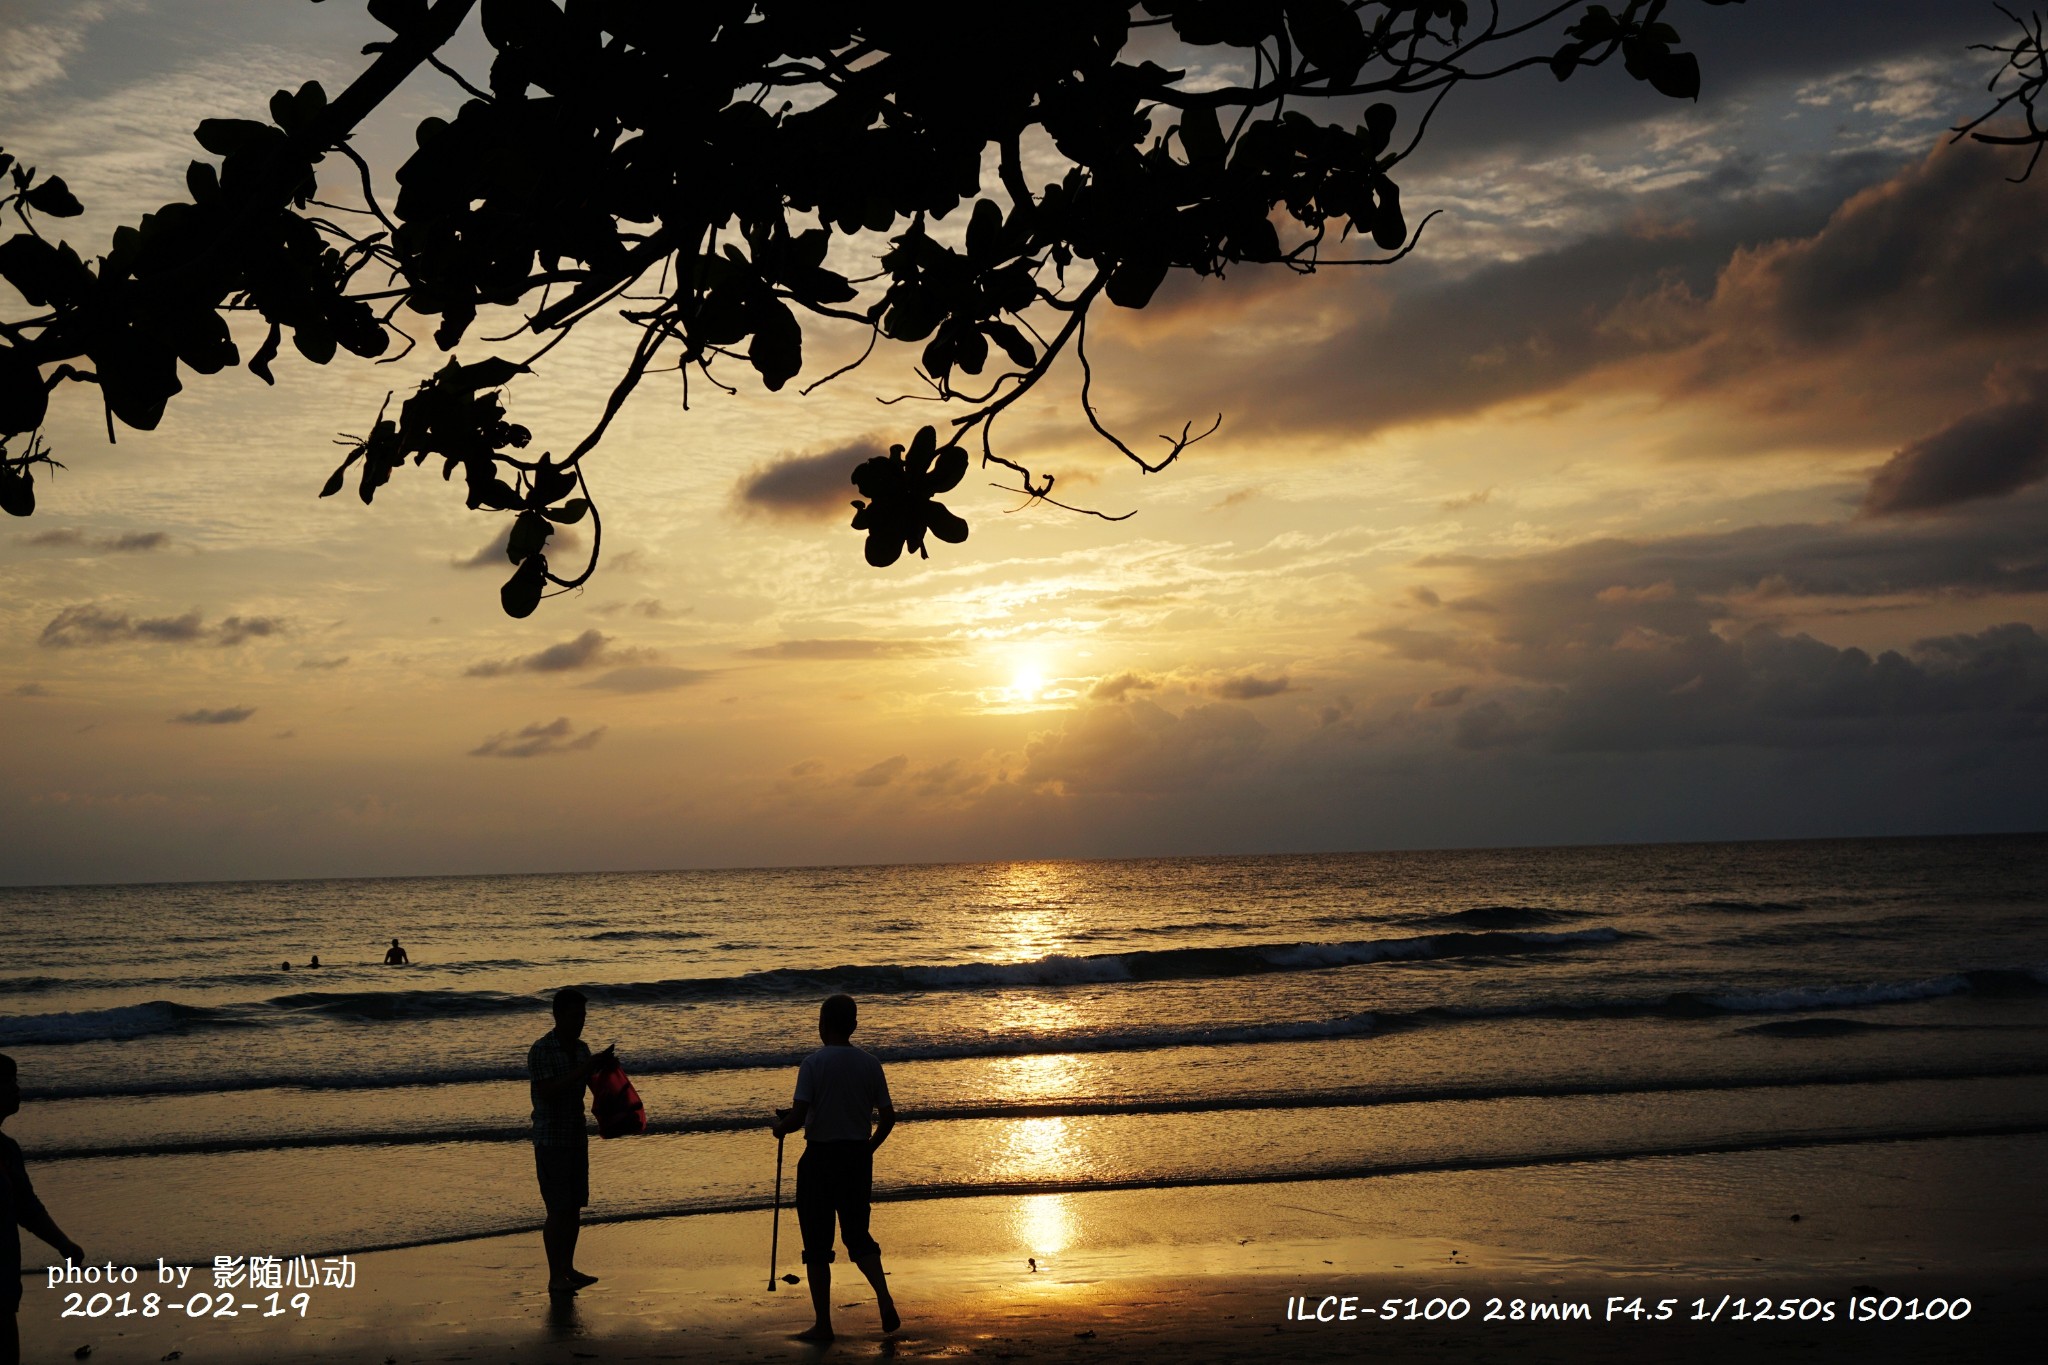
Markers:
point(728, 176)
point(2026, 62)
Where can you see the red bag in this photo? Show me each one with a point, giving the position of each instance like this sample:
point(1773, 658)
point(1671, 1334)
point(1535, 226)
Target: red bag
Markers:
point(616, 1103)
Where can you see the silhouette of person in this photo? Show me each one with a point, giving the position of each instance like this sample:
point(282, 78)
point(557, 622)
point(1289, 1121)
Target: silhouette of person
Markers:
point(395, 955)
point(20, 1208)
point(315, 962)
point(560, 1065)
point(837, 1088)
point(285, 965)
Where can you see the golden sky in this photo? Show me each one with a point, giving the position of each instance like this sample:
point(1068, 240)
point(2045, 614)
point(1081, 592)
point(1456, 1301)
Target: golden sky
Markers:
point(1687, 483)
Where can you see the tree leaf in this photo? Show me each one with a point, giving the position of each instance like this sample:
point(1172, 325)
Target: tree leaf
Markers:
point(52, 196)
point(23, 399)
point(521, 593)
point(1677, 75)
point(529, 534)
point(17, 492)
point(944, 524)
point(569, 513)
point(228, 136)
point(778, 349)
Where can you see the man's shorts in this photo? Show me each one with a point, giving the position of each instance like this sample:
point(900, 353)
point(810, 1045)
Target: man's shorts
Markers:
point(564, 1176)
point(835, 1179)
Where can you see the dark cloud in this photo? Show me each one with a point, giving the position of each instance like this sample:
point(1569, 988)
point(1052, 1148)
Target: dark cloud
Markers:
point(229, 715)
point(1853, 311)
point(591, 649)
point(491, 555)
point(538, 741)
point(883, 773)
point(338, 662)
point(31, 689)
point(91, 624)
point(1140, 748)
point(1425, 346)
point(806, 487)
point(1680, 642)
point(1445, 696)
point(1489, 725)
point(848, 649)
point(236, 629)
point(1251, 687)
point(1121, 685)
point(130, 542)
point(952, 779)
point(1993, 451)
point(1740, 47)
point(650, 678)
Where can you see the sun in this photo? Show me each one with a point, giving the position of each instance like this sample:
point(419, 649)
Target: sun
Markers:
point(1027, 682)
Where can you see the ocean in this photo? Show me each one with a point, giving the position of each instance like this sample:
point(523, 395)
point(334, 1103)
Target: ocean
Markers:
point(1047, 1026)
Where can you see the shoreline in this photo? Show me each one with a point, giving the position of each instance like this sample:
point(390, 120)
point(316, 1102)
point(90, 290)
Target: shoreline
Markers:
point(1208, 1272)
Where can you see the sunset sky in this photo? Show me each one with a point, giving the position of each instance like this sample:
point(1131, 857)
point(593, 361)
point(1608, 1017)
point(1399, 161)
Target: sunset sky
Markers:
point(1688, 482)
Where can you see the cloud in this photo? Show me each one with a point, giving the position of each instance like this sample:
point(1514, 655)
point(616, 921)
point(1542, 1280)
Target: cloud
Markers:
point(1251, 687)
point(650, 678)
point(31, 689)
point(848, 649)
point(40, 47)
point(1489, 725)
point(1682, 642)
point(1140, 748)
point(229, 715)
point(1121, 685)
point(1445, 696)
point(1460, 503)
point(491, 554)
point(589, 650)
point(1840, 313)
point(325, 664)
point(649, 607)
point(1992, 451)
point(812, 487)
point(91, 624)
point(883, 773)
point(129, 542)
point(538, 741)
point(236, 629)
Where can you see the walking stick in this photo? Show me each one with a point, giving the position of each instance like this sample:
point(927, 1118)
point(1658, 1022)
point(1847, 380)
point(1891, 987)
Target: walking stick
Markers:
point(775, 1236)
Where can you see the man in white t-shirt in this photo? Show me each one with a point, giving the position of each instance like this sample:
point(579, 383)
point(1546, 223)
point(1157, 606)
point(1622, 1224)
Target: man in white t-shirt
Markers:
point(837, 1088)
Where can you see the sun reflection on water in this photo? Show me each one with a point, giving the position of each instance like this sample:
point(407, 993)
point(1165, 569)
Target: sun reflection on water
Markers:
point(1044, 1224)
point(1028, 905)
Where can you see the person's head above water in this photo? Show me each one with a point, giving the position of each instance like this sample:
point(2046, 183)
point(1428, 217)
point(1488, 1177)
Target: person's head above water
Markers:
point(837, 1018)
point(570, 1006)
point(394, 943)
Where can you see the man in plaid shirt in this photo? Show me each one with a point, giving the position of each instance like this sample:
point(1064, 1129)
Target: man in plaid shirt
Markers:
point(560, 1065)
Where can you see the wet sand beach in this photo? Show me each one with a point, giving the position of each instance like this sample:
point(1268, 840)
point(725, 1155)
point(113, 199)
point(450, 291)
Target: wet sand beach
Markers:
point(1556, 1254)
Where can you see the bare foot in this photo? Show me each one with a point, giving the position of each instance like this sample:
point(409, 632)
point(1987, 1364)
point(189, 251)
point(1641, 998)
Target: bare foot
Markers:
point(562, 1286)
point(891, 1320)
point(579, 1279)
point(818, 1334)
